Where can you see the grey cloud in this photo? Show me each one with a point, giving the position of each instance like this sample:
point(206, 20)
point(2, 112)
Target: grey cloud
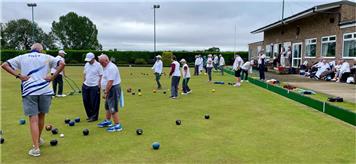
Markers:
point(187, 25)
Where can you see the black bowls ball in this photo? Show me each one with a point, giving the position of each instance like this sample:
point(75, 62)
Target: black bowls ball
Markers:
point(206, 116)
point(85, 132)
point(53, 142)
point(54, 131)
point(139, 131)
point(178, 122)
point(67, 120)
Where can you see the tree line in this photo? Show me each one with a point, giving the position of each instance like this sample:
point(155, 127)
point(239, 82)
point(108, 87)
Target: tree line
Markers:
point(70, 32)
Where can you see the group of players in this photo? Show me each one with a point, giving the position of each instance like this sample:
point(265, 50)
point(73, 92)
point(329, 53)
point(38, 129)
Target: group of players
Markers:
point(102, 76)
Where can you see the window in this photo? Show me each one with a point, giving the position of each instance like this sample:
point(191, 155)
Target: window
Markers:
point(269, 50)
point(349, 50)
point(328, 46)
point(310, 47)
point(276, 50)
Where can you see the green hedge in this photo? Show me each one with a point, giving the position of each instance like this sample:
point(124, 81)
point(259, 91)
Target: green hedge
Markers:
point(124, 57)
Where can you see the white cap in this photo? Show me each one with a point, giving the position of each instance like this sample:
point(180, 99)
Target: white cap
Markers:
point(61, 52)
point(158, 56)
point(89, 57)
point(183, 60)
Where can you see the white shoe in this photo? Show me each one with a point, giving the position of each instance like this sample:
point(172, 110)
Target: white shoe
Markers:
point(237, 85)
point(34, 152)
point(62, 95)
point(242, 81)
point(41, 142)
point(190, 91)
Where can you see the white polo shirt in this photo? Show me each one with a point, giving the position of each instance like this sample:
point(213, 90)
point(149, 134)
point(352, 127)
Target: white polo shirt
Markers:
point(209, 63)
point(186, 74)
point(158, 66)
point(237, 63)
point(198, 61)
point(246, 66)
point(345, 67)
point(36, 66)
point(263, 56)
point(216, 60)
point(222, 61)
point(92, 74)
point(110, 72)
point(53, 70)
point(176, 69)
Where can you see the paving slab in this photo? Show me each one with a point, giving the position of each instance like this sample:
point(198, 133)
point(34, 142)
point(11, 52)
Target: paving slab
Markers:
point(346, 91)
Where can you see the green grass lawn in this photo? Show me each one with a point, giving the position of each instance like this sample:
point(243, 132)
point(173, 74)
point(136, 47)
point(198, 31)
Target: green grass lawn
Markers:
point(248, 125)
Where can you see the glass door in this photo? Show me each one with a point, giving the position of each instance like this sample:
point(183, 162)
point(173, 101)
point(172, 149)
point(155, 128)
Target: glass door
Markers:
point(296, 55)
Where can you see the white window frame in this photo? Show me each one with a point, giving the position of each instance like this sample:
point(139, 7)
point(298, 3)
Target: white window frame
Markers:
point(301, 54)
point(321, 45)
point(276, 46)
point(271, 50)
point(343, 43)
point(305, 47)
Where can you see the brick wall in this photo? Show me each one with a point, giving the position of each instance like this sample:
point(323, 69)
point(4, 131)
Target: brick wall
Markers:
point(315, 26)
point(252, 49)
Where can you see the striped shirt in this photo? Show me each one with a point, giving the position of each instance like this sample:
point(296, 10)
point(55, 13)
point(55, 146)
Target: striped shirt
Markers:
point(36, 66)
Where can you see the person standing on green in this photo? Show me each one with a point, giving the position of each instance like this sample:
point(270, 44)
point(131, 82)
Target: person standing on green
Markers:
point(157, 68)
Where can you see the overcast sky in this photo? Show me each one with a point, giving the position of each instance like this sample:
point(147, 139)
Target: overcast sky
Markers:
point(181, 25)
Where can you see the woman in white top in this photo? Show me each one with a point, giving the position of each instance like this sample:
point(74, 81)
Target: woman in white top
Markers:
point(186, 77)
point(157, 68)
point(209, 66)
point(345, 71)
point(175, 73)
point(221, 64)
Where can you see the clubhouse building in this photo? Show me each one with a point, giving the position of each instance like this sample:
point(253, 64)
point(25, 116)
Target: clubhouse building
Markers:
point(327, 30)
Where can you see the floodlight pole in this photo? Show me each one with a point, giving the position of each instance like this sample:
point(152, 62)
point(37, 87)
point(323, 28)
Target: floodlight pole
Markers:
point(32, 5)
point(235, 40)
point(154, 27)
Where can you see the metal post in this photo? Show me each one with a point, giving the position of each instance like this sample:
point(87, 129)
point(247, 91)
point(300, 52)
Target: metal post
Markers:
point(32, 5)
point(282, 11)
point(282, 18)
point(33, 26)
point(154, 27)
point(235, 41)
point(154, 30)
